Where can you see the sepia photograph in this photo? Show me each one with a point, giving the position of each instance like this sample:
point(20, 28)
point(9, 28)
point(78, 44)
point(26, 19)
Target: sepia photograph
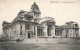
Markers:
point(39, 24)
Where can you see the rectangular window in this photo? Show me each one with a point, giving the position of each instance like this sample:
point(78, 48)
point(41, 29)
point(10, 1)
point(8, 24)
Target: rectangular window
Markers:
point(34, 28)
point(34, 13)
point(21, 32)
point(67, 31)
point(21, 27)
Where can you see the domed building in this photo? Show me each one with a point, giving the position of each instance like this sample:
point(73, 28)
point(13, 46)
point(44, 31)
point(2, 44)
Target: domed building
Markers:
point(31, 25)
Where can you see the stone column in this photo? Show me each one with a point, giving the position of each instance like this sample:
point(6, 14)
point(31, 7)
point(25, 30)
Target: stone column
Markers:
point(74, 33)
point(45, 30)
point(33, 30)
point(18, 28)
point(9, 31)
point(36, 31)
point(53, 30)
point(23, 29)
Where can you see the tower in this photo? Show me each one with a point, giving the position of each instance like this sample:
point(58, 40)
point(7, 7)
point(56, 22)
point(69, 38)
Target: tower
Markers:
point(36, 12)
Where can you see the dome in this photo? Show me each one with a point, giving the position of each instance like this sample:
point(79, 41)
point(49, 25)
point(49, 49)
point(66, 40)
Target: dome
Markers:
point(34, 6)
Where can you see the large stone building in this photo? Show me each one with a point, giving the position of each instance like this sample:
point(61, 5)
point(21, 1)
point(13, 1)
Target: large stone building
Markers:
point(31, 25)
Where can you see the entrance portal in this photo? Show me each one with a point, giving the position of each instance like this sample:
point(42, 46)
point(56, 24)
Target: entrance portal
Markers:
point(28, 35)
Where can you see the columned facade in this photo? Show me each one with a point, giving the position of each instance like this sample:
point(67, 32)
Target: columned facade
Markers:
point(31, 25)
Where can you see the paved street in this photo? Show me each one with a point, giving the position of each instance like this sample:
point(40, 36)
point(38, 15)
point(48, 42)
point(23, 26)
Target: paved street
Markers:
point(66, 44)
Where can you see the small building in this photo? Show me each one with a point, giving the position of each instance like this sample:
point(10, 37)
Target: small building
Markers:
point(70, 29)
point(31, 25)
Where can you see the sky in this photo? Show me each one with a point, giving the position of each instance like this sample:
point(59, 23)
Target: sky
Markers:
point(61, 10)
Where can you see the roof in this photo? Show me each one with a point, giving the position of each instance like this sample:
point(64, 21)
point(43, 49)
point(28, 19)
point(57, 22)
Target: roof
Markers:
point(47, 19)
point(71, 22)
point(23, 13)
point(28, 14)
point(34, 5)
point(5, 22)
